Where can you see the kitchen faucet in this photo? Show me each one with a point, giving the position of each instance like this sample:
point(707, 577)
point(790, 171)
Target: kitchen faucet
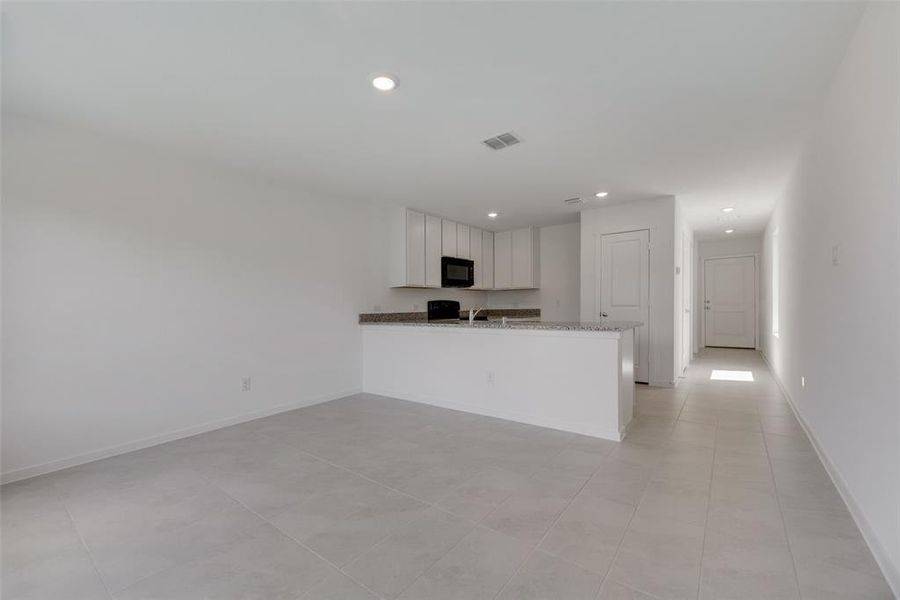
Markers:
point(472, 314)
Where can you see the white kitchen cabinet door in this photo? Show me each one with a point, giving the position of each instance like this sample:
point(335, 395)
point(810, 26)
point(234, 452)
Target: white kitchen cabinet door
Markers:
point(407, 267)
point(448, 241)
point(462, 241)
point(476, 253)
point(487, 253)
point(525, 258)
point(415, 248)
point(433, 241)
point(503, 254)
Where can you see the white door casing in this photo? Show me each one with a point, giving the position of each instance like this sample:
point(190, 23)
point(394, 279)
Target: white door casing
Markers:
point(729, 302)
point(624, 289)
point(686, 283)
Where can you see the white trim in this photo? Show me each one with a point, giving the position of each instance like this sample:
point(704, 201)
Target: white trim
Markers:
point(662, 384)
point(80, 459)
point(891, 574)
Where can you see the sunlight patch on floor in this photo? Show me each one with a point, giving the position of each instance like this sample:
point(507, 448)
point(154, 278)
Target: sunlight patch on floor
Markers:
point(724, 375)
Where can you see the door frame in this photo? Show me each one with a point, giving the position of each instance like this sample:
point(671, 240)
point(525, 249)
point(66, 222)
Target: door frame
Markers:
point(687, 302)
point(598, 266)
point(699, 305)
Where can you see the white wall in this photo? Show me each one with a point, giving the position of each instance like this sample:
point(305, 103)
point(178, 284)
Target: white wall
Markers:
point(750, 245)
point(657, 215)
point(558, 297)
point(140, 286)
point(839, 324)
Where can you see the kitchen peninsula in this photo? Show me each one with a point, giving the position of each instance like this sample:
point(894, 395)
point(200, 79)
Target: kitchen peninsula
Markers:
point(575, 377)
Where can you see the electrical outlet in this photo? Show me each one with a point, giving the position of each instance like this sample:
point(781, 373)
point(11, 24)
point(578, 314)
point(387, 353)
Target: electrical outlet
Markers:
point(835, 255)
point(557, 303)
point(415, 308)
point(803, 383)
point(377, 308)
point(490, 377)
point(245, 384)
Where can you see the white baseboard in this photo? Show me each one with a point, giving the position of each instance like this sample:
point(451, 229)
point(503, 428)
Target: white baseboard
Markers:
point(663, 384)
point(80, 459)
point(888, 569)
point(518, 417)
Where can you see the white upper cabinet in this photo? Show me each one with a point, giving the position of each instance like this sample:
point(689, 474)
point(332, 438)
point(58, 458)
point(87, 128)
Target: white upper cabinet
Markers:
point(487, 264)
point(503, 260)
point(526, 258)
point(433, 251)
point(506, 260)
point(462, 241)
point(407, 248)
point(448, 242)
point(477, 255)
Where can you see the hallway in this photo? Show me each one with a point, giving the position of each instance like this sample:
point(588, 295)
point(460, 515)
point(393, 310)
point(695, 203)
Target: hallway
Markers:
point(773, 518)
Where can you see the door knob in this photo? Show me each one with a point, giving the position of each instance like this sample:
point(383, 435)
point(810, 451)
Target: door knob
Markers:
point(603, 314)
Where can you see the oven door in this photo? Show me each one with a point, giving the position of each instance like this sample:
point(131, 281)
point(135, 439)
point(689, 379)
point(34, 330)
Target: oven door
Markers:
point(457, 272)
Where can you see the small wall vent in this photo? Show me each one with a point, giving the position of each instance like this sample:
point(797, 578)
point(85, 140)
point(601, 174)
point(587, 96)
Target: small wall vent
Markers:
point(573, 201)
point(499, 142)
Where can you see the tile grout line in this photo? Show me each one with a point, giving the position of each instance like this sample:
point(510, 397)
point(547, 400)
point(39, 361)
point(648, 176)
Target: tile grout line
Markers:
point(712, 474)
point(612, 562)
point(633, 514)
point(84, 545)
point(479, 524)
point(296, 541)
point(475, 524)
point(544, 537)
point(428, 503)
point(787, 538)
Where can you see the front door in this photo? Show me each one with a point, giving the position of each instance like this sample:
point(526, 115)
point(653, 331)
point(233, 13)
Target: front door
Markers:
point(625, 289)
point(730, 302)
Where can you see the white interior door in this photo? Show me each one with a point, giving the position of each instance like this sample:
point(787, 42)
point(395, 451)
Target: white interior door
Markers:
point(730, 301)
point(624, 282)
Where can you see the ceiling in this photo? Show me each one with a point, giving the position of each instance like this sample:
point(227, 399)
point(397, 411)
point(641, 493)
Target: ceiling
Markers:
point(704, 101)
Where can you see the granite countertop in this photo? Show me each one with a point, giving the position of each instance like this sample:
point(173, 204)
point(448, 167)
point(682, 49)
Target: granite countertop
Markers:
point(519, 324)
point(422, 316)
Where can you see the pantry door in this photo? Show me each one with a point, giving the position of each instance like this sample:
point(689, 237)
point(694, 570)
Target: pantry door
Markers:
point(624, 293)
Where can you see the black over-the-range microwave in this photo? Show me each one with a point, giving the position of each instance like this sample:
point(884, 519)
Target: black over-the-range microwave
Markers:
point(457, 272)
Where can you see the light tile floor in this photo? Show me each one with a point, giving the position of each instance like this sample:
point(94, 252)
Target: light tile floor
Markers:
point(716, 493)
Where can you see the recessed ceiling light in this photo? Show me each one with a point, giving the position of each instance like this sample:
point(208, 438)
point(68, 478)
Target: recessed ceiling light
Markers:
point(493, 215)
point(729, 209)
point(729, 231)
point(384, 82)
point(602, 194)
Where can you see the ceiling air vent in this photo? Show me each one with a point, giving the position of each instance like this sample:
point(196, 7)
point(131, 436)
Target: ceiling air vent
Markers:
point(573, 201)
point(499, 142)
